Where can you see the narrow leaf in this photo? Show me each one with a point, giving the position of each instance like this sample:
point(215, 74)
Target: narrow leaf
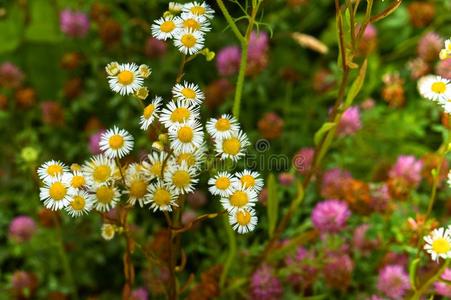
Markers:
point(322, 131)
point(356, 85)
point(413, 272)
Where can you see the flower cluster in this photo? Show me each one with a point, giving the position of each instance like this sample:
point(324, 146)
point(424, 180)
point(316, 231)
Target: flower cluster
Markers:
point(437, 88)
point(438, 243)
point(186, 24)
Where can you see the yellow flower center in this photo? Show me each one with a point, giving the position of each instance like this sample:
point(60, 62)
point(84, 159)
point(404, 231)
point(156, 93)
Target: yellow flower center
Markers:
point(441, 246)
point(180, 115)
point(243, 217)
point(138, 188)
point(222, 124)
point(198, 10)
point(188, 93)
point(78, 181)
point(239, 199)
point(248, 181)
point(155, 169)
point(101, 173)
point(78, 203)
point(222, 183)
point(185, 134)
point(148, 111)
point(162, 197)
point(75, 167)
point(231, 146)
point(167, 26)
point(57, 191)
point(54, 170)
point(181, 178)
point(188, 40)
point(116, 141)
point(125, 77)
point(438, 87)
point(105, 194)
point(191, 24)
point(186, 157)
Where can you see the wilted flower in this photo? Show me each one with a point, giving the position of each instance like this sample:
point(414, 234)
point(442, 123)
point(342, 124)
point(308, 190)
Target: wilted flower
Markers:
point(257, 52)
point(444, 288)
point(73, 88)
point(350, 122)
point(110, 31)
point(74, 24)
point(408, 168)
point(330, 216)
point(71, 60)
point(380, 198)
point(393, 281)
point(338, 269)
point(418, 68)
point(430, 162)
point(357, 195)
point(393, 91)
point(140, 294)
point(429, 47)
point(271, 126)
point(323, 80)
point(421, 13)
point(361, 242)
point(263, 196)
point(25, 97)
point(302, 270)
point(368, 104)
point(368, 42)
point(443, 68)
point(197, 199)
point(332, 182)
point(22, 228)
point(154, 48)
point(48, 218)
point(228, 60)
point(217, 92)
point(52, 113)
point(10, 75)
point(286, 178)
point(265, 285)
point(303, 159)
point(23, 284)
point(188, 216)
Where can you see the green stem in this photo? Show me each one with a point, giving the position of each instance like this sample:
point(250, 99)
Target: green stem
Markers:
point(232, 251)
point(430, 281)
point(240, 81)
point(230, 21)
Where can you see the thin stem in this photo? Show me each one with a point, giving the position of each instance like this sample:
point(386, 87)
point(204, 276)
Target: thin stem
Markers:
point(180, 73)
point(240, 81)
point(430, 281)
point(230, 21)
point(232, 251)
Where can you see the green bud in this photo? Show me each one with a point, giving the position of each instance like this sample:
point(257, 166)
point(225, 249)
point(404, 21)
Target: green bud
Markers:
point(29, 154)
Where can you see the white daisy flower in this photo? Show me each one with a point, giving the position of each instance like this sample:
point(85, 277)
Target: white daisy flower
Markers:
point(239, 198)
point(136, 183)
point(181, 178)
point(99, 170)
point(189, 42)
point(178, 112)
point(77, 181)
point(108, 231)
point(232, 147)
point(445, 53)
point(243, 220)
point(438, 244)
point(192, 22)
point(222, 127)
point(193, 159)
point(186, 137)
point(80, 203)
point(447, 106)
point(55, 193)
point(435, 88)
point(105, 197)
point(161, 196)
point(153, 167)
point(51, 169)
point(175, 7)
point(188, 92)
point(249, 179)
point(199, 9)
point(127, 81)
point(164, 28)
point(221, 184)
point(116, 142)
point(150, 113)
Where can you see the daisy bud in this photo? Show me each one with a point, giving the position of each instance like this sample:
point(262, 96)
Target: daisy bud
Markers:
point(75, 167)
point(163, 138)
point(108, 231)
point(142, 93)
point(29, 154)
point(112, 68)
point(145, 71)
point(157, 146)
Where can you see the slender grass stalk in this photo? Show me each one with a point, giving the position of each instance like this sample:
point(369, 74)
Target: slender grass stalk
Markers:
point(423, 289)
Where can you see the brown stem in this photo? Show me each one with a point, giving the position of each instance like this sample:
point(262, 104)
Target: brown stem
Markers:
point(129, 269)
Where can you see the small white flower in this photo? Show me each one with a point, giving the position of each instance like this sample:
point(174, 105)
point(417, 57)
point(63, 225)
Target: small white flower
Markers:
point(104, 197)
point(108, 231)
point(153, 167)
point(239, 198)
point(51, 169)
point(438, 244)
point(181, 178)
point(164, 28)
point(136, 183)
point(221, 184)
point(76, 181)
point(188, 92)
point(178, 112)
point(243, 220)
point(116, 142)
point(192, 22)
point(249, 179)
point(435, 88)
point(222, 127)
point(186, 137)
point(99, 170)
point(127, 80)
point(150, 113)
point(80, 203)
point(199, 9)
point(55, 193)
point(189, 42)
point(193, 159)
point(161, 196)
point(232, 147)
point(175, 7)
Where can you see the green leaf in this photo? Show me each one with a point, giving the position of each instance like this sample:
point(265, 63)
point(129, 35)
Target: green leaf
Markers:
point(356, 85)
point(11, 29)
point(322, 131)
point(413, 272)
point(44, 25)
point(273, 204)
